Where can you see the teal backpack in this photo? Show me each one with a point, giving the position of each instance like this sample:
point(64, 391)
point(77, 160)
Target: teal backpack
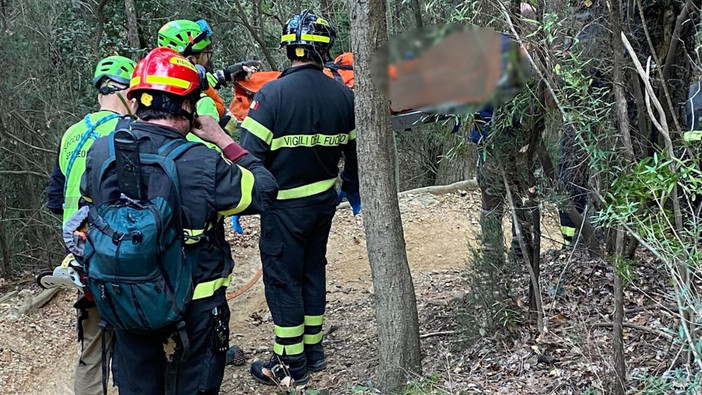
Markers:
point(135, 257)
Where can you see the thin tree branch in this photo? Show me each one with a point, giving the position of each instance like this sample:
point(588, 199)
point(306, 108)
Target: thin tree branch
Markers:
point(23, 173)
point(518, 234)
point(34, 147)
point(657, 332)
point(666, 92)
point(242, 17)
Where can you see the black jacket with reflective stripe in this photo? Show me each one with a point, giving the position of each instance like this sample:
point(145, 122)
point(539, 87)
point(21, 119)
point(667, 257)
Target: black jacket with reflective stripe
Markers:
point(299, 125)
point(211, 187)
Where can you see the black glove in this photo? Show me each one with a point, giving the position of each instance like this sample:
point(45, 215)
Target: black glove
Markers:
point(236, 71)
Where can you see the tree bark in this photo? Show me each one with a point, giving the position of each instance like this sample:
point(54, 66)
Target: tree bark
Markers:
point(132, 29)
point(618, 319)
point(5, 253)
point(619, 83)
point(417, 8)
point(101, 26)
point(396, 306)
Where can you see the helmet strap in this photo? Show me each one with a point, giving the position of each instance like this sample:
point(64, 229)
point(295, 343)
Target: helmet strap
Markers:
point(124, 103)
point(165, 103)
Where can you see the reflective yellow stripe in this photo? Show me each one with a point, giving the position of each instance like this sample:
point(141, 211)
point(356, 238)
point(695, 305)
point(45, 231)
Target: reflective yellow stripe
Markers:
point(87, 199)
point(316, 38)
point(288, 37)
point(314, 320)
point(289, 331)
point(312, 339)
point(309, 140)
point(352, 135)
point(695, 135)
point(567, 231)
point(165, 80)
point(292, 349)
point(306, 190)
point(247, 184)
point(205, 290)
point(257, 130)
point(134, 81)
point(192, 236)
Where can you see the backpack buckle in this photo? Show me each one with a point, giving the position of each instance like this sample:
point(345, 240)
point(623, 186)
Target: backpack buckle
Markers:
point(117, 238)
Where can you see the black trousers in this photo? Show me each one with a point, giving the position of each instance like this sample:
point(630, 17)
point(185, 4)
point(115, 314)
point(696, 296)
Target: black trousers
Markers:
point(293, 251)
point(573, 173)
point(154, 363)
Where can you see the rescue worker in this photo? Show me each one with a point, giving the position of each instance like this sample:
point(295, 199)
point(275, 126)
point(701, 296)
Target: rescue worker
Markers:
point(299, 125)
point(194, 41)
point(572, 159)
point(212, 186)
point(111, 80)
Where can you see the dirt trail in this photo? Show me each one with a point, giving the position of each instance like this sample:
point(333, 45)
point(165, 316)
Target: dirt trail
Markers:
point(38, 351)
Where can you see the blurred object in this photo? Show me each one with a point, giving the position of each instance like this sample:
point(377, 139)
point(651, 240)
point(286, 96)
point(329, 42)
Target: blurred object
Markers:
point(449, 69)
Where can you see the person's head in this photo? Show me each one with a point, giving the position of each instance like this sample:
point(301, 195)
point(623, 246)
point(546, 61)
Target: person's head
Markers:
point(166, 87)
point(307, 38)
point(191, 39)
point(111, 79)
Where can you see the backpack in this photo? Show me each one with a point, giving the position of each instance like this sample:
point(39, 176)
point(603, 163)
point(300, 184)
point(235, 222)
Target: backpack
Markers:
point(134, 255)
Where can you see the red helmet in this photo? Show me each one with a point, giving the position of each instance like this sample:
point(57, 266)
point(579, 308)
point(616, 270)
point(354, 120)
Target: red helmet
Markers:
point(164, 70)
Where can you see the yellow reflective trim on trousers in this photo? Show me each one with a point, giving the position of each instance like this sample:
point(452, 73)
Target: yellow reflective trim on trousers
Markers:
point(312, 339)
point(289, 331)
point(207, 289)
point(314, 320)
point(247, 184)
point(309, 140)
point(567, 231)
point(315, 38)
point(695, 135)
point(352, 135)
point(257, 130)
point(306, 190)
point(292, 349)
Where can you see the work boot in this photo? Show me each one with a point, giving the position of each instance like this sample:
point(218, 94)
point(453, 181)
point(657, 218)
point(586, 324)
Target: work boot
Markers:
point(315, 357)
point(275, 370)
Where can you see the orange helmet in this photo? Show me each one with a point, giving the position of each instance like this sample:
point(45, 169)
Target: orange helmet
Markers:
point(164, 70)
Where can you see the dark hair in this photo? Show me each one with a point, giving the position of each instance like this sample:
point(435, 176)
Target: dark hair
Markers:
point(152, 114)
point(164, 106)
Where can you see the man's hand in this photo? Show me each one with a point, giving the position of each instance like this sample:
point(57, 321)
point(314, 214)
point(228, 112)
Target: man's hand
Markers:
point(208, 129)
point(353, 198)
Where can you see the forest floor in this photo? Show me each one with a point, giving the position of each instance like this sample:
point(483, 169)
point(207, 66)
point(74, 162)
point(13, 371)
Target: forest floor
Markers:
point(38, 350)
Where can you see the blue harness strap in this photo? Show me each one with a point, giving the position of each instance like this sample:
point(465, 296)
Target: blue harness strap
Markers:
point(89, 134)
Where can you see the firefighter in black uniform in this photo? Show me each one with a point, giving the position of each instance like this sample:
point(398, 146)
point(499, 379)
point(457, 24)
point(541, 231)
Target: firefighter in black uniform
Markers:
point(300, 125)
point(212, 187)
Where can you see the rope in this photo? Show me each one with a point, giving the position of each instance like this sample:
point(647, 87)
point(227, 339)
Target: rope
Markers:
point(246, 286)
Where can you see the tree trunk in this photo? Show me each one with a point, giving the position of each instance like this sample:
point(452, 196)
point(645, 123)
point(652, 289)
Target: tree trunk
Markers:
point(5, 254)
point(132, 29)
point(417, 8)
point(396, 306)
point(618, 319)
point(101, 26)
